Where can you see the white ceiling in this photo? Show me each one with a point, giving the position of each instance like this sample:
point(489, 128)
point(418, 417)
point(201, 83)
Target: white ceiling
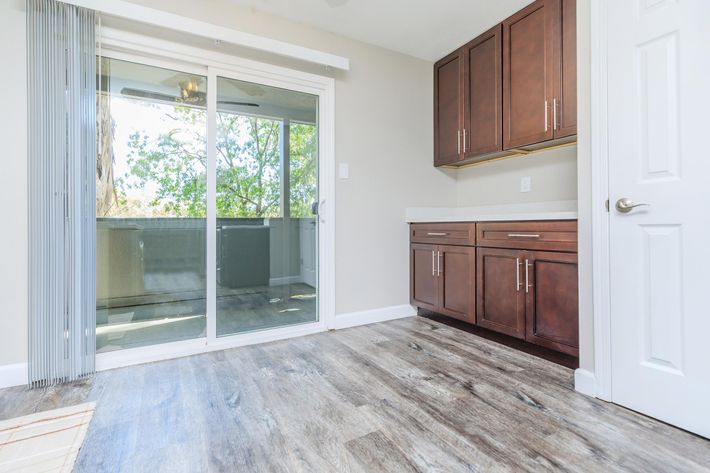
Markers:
point(427, 29)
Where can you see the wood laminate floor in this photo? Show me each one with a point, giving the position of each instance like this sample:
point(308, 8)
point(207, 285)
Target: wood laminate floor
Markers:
point(411, 395)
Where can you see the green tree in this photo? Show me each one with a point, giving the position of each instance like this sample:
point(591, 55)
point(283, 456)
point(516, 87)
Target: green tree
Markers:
point(304, 171)
point(173, 165)
point(248, 166)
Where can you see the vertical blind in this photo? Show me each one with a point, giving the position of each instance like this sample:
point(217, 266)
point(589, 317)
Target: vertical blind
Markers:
point(62, 160)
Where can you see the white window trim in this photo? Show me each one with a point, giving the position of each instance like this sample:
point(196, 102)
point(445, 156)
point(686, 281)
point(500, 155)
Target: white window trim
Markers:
point(151, 51)
point(153, 16)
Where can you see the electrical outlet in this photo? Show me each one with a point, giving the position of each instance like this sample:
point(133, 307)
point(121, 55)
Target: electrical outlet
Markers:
point(525, 184)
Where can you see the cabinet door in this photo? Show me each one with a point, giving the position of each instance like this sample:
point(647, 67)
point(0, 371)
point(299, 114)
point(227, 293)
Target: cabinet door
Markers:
point(447, 109)
point(552, 302)
point(528, 74)
point(483, 94)
point(499, 291)
point(457, 282)
point(565, 101)
point(424, 283)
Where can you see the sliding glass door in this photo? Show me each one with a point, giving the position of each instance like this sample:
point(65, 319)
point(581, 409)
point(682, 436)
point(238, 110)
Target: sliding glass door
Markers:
point(154, 279)
point(267, 187)
point(150, 205)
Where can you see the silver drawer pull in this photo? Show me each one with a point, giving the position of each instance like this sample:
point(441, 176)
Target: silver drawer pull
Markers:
point(436, 234)
point(523, 235)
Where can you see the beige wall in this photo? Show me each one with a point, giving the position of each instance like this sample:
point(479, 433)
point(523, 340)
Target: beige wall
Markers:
point(553, 175)
point(584, 191)
point(13, 187)
point(383, 131)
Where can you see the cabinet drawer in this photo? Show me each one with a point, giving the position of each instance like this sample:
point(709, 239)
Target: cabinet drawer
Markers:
point(462, 234)
point(557, 235)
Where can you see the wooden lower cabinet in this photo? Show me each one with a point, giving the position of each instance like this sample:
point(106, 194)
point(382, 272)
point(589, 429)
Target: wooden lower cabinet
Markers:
point(443, 279)
point(424, 284)
point(457, 279)
point(527, 289)
point(501, 297)
point(552, 301)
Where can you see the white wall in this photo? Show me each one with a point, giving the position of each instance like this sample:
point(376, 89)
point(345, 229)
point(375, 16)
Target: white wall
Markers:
point(13, 184)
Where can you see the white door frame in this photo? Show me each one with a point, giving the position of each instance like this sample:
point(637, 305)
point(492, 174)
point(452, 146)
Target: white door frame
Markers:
point(600, 195)
point(148, 50)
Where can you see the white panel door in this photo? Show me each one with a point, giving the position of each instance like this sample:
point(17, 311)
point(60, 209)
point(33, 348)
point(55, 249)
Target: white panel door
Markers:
point(659, 98)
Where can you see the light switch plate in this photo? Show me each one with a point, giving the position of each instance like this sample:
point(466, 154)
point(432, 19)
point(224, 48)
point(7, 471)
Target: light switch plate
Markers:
point(525, 184)
point(344, 171)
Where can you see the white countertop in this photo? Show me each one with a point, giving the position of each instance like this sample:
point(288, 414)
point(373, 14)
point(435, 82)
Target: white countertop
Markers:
point(557, 210)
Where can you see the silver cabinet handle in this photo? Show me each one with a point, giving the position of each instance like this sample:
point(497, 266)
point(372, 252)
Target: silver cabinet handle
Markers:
point(554, 114)
point(523, 235)
point(464, 140)
point(437, 233)
point(546, 117)
point(527, 278)
point(626, 205)
point(458, 141)
point(433, 264)
point(438, 263)
point(517, 274)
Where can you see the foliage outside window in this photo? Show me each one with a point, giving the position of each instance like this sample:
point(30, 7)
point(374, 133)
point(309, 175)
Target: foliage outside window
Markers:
point(171, 166)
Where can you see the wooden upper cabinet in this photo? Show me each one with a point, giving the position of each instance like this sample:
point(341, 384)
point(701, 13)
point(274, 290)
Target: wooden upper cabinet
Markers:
point(565, 97)
point(514, 87)
point(448, 109)
point(483, 94)
point(540, 73)
point(528, 69)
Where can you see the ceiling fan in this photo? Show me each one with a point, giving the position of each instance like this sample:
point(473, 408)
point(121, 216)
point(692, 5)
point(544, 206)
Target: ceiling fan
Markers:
point(189, 95)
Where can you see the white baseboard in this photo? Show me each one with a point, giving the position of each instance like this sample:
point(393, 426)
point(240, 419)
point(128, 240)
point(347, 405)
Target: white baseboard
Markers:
point(13, 375)
point(585, 382)
point(168, 351)
point(364, 317)
point(16, 374)
point(282, 281)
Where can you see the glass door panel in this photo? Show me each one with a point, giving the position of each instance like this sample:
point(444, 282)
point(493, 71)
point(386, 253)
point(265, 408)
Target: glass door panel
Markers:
point(266, 194)
point(150, 205)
